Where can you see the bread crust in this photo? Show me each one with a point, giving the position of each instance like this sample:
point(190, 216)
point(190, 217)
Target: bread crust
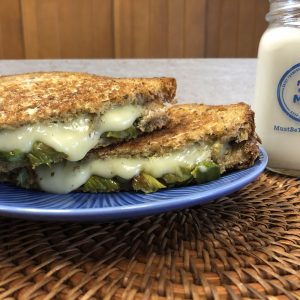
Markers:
point(52, 96)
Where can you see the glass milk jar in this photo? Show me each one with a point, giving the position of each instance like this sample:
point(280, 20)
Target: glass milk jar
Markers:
point(277, 95)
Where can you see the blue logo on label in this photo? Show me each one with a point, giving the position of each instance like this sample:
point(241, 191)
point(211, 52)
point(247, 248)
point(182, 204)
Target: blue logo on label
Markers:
point(288, 92)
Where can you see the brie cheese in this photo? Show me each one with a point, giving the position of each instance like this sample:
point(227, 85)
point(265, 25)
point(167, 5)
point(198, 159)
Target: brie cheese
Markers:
point(68, 176)
point(74, 139)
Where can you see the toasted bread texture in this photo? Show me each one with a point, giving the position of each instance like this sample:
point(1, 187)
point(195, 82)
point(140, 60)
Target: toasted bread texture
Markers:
point(194, 123)
point(36, 97)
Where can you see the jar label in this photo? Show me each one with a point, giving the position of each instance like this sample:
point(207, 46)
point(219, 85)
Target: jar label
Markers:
point(288, 92)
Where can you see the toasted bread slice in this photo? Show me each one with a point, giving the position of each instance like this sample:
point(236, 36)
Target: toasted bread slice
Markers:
point(199, 143)
point(194, 123)
point(55, 96)
point(72, 113)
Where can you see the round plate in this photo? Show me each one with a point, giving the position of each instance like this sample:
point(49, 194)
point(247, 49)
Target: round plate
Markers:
point(28, 204)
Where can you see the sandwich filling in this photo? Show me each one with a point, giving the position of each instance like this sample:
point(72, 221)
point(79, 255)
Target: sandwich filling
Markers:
point(146, 174)
point(73, 139)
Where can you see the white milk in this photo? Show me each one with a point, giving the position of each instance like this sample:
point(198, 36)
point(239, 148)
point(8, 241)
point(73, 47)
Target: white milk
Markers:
point(277, 98)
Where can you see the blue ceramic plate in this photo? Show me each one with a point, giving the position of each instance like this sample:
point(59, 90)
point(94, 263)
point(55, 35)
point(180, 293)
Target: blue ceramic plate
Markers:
point(17, 202)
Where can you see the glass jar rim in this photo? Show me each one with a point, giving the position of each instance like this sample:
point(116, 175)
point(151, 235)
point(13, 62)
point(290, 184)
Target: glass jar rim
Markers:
point(286, 5)
point(284, 11)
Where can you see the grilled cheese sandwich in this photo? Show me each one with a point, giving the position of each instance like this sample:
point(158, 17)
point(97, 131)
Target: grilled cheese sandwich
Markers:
point(70, 114)
point(199, 144)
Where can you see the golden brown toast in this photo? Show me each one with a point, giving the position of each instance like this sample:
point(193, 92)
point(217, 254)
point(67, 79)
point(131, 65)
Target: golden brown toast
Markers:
point(35, 97)
point(194, 123)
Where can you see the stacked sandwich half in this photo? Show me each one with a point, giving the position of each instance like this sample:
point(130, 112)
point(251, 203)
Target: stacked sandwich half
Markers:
point(63, 132)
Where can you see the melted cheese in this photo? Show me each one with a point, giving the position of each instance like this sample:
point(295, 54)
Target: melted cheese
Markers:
point(66, 177)
point(75, 138)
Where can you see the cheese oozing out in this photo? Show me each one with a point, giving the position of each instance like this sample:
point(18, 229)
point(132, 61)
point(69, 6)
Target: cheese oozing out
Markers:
point(68, 176)
point(75, 138)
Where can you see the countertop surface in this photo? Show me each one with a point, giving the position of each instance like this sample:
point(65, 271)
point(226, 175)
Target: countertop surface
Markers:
point(210, 81)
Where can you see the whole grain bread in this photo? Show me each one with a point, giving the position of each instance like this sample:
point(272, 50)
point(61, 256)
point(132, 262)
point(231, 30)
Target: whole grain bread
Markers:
point(37, 97)
point(195, 123)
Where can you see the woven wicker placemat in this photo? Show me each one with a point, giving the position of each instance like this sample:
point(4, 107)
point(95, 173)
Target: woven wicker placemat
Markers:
point(245, 246)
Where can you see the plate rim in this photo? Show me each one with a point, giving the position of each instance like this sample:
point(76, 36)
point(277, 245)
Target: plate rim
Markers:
point(136, 210)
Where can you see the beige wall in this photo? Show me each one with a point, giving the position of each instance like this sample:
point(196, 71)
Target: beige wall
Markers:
point(130, 28)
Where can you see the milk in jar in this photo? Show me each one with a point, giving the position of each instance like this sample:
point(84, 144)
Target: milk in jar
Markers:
point(277, 95)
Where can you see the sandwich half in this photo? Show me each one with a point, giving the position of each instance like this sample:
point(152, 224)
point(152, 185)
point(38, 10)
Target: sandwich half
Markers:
point(198, 145)
point(50, 117)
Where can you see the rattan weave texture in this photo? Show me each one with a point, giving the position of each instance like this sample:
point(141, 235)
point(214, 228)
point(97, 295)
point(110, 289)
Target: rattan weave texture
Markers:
point(245, 246)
